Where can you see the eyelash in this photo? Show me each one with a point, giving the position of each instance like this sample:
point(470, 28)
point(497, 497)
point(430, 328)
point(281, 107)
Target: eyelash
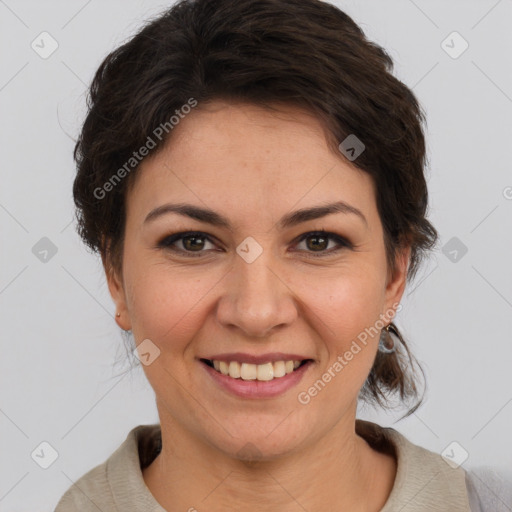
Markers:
point(167, 242)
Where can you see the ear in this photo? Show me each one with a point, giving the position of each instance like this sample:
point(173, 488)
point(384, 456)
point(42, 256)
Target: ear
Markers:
point(396, 282)
point(117, 292)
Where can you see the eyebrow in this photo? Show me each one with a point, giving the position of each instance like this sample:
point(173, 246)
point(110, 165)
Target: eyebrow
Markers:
point(287, 221)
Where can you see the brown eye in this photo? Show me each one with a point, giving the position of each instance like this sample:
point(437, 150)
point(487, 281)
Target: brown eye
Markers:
point(194, 243)
point(191, 242)
point(318, 242)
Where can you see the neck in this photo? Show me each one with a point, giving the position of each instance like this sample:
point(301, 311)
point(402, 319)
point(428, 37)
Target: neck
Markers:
point(338, 469)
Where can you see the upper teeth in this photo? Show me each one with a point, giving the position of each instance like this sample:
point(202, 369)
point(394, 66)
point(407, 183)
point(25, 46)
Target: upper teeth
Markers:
point(247, 371)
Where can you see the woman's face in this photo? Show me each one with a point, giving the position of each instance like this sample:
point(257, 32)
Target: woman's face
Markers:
point(259, 287)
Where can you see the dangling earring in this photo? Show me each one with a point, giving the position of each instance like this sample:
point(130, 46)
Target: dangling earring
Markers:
point(390, 337)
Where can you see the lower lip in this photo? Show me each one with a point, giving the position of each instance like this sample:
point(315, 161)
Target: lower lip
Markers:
point(258, 388)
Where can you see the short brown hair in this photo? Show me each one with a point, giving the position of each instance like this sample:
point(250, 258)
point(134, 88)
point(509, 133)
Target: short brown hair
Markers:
point(305, 53)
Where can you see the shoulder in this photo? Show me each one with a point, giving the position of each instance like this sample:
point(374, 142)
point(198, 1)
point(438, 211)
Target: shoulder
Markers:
point(489, 489)
point(117, 483)
point(88, 493)
point(424, 479)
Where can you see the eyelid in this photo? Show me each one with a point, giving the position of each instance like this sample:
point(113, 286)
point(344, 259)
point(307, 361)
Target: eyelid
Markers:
point(343, 242)
point(168, 241)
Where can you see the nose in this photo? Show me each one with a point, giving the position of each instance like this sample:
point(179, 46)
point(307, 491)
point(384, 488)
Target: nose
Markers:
point(256, 299)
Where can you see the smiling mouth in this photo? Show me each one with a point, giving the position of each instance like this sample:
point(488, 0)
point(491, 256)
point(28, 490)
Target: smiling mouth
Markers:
point(262, 372)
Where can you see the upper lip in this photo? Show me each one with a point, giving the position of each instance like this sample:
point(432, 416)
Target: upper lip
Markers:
point(242, 357)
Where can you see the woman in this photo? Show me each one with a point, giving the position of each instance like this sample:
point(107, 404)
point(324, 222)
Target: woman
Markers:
point(253, 177)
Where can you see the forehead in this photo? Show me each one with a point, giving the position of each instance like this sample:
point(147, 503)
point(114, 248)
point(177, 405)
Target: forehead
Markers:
point(246, 157)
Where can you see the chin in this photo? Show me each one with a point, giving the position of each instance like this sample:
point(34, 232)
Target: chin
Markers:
point(266, 444)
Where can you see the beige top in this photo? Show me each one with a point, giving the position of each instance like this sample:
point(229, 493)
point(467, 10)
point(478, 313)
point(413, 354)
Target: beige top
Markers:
point(424, 481)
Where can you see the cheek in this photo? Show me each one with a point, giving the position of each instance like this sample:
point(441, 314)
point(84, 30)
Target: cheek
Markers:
point(168, 304)
point(347, 301)
point(171, 302)
point(348, 309)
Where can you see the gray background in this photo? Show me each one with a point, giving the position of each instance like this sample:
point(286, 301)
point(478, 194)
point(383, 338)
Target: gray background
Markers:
point(63, 358)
